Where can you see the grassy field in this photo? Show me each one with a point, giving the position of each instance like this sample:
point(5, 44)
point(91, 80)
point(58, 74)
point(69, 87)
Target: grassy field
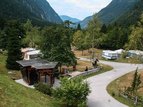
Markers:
point(15, 95)
point(119, 84)
point(88, 53)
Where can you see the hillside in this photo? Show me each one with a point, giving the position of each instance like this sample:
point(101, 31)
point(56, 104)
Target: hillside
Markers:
point(132, 16)
point(113, 11)
point(84, 23)
point(36, 10)
point(15, 95)
point(74, 20)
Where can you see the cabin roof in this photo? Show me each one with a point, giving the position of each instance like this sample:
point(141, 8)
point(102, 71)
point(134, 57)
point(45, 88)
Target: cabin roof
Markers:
point(38, 64)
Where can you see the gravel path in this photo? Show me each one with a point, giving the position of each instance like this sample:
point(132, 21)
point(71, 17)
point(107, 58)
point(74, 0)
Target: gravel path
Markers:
point(99, 97)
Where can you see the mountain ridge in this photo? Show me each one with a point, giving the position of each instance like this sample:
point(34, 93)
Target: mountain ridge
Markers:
point(114, 10)
point(65, 17)
point(36, 10)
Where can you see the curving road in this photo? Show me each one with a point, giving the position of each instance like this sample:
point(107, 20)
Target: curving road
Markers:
point(98, 84)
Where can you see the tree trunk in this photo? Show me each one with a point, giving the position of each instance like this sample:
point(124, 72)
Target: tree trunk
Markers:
point(82, 52)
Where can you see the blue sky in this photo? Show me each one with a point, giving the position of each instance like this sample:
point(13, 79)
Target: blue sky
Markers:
point(78, 8)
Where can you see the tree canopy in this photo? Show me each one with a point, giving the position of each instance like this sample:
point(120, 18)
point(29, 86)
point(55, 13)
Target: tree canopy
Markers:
point(14, 45)
point(56, 45)
point(73, 92)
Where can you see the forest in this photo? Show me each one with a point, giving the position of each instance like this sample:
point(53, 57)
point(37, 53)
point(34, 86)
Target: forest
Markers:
point(56, 40)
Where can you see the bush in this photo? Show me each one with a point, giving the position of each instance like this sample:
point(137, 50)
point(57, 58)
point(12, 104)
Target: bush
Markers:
point(82, 104)
point(73, 92)
point(124, 55)
point(44, 88)
point(113, 94)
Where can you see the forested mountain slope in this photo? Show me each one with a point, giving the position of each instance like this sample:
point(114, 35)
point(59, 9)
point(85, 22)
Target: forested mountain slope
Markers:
point(36, 10)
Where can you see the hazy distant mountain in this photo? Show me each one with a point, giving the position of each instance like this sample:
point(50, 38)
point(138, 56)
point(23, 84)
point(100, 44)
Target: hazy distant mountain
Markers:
point(84, 23)
point(113, 11)
point(37, 10)
point(74, 20)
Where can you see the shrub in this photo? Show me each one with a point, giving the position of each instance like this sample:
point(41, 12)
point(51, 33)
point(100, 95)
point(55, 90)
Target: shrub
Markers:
point(73, 92)
point(124, 54)
point(82, 104)
point(113, 94)
point(44, 88)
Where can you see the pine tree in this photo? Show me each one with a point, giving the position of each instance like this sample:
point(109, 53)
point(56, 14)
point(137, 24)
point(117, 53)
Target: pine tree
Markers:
point(136, 81)
point(103, 29)
point(14, 45)
point(79, 27)
point(3, 40)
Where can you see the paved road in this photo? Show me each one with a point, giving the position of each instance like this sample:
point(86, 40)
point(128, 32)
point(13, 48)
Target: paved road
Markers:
point(98, 84)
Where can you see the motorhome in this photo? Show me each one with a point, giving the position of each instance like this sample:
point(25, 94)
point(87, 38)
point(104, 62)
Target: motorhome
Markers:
point(107, 54)
point(30, 53)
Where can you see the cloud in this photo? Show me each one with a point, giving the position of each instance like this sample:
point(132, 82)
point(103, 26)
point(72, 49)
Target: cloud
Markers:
point(78, 8)
point(92, 5)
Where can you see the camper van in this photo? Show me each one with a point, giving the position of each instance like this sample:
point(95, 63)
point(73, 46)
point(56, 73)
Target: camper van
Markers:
point(107, 54)
point(30, 53)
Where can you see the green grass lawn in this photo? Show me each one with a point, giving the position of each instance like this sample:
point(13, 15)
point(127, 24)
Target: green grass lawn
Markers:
point(16, 95)
point(120, 83)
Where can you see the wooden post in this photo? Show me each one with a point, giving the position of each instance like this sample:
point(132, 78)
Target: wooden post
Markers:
point(39, 78)
point(45, 78)
point(28, 77)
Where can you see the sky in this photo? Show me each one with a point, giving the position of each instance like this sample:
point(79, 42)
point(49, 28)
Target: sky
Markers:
point(78, 8)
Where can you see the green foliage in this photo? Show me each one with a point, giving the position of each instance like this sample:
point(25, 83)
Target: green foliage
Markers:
point(29, 9)
point(93, 30)
point(44, 88)
point(73, 92)
point(32, 37)
point(103, 29)
point(56, 45)
point(136, 38)
point(115, 38)
point(124, 55)
point(67, 23)
point(16, 95)
point(3, 40)
point(79, 40)
point(132, 16)
point(14, 45)
point(136, 81)
point(79, 27)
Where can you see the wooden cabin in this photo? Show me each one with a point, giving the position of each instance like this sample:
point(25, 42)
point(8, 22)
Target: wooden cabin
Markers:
point(38, 70)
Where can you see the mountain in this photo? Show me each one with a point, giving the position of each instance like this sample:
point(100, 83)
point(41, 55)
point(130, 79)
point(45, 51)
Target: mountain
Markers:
point(84, 23)
point(113, 11)
point(35, 10)
point(132, 16)
point(74, 20)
